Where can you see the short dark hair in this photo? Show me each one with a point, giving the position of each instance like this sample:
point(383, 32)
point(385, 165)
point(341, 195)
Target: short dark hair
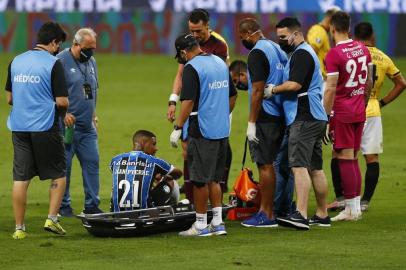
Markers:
point(363, 31)
point(142, 133)
point(199, 14)
point(330, 12)
point(341, 21)
point(238, 66)
point(292, 23)
point(50, 31)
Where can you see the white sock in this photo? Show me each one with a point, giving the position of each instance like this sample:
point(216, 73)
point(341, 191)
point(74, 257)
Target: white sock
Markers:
point(358, 204)
point(53, 218)
point(20, 227)
point(350, 206)
point(217, 216)
point(175, 191)
point(201, 221)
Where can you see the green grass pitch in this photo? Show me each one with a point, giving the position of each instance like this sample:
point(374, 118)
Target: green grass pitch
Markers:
point(133, 95)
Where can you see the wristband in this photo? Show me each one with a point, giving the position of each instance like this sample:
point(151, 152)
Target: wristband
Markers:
point(176, 127)
point(382, 103)
point(174, 98)
point(171, 103)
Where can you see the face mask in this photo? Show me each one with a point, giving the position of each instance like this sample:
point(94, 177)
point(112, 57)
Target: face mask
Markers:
point(241, 86)
point(85, 55)
point(248, 44)
point(56, 52)
point(285, 46)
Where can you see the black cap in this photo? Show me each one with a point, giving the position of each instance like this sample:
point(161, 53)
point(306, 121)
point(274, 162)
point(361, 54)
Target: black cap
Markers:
point(184, 41)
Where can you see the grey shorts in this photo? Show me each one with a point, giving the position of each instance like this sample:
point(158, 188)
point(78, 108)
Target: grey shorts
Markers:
point(270, 135)
point(304, 146)
point(206, 159)
point(38, 154)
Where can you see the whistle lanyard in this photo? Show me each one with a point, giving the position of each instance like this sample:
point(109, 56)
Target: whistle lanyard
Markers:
point(81, 71)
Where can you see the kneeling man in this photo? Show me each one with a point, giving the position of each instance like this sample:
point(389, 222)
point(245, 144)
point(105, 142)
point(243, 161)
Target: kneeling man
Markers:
point(141, 180)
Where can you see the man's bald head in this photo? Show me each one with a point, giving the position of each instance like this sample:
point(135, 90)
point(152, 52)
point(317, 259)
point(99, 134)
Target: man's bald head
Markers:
point(249, 25)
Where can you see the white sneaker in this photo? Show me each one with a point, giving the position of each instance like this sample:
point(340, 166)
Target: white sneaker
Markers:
point(346, 215)
point(193, 231)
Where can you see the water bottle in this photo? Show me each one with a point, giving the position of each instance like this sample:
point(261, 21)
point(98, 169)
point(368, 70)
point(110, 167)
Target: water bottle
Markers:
point(68, 135)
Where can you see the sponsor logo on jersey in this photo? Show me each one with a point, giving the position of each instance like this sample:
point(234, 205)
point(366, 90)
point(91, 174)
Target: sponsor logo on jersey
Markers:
point(280, 66)
point(357, 92)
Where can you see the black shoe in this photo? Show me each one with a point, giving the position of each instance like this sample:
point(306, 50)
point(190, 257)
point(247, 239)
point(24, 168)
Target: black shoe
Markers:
point(295, 220)
point(92, 210)
point(322, 222)
point(66, 211)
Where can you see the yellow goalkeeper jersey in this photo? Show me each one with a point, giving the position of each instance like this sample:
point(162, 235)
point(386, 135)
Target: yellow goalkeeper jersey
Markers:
point(383, 66)
point(317, 37)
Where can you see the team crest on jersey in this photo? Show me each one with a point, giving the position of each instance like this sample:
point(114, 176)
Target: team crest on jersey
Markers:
point(72, 70)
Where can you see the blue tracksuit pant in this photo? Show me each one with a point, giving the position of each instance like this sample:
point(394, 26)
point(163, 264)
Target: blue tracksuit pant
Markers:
point(85, 147)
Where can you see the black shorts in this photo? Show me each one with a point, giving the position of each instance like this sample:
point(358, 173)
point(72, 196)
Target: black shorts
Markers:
point(304, 146)
point(206, 159)
point(38, 154)
point(270, 135)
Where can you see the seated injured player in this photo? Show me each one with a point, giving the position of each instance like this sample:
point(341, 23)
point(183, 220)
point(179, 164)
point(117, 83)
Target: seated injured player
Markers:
point(141, 180)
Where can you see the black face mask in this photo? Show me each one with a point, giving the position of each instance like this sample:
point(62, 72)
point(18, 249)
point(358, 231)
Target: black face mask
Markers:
point(241, 86)
point(56, 52)
point(248, 45)
point(286, 47)
point(85, 55)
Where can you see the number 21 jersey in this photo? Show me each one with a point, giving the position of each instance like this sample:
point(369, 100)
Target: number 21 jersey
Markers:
point(133, 175)
point(349, 60)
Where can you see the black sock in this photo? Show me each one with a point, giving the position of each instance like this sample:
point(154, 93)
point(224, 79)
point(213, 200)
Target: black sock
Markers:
point(224, 181)
point(336, 177)
point(371, 180)
point(188, 186)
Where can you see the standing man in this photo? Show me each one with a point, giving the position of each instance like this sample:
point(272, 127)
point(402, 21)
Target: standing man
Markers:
point(265, 123)
point(318, 38)
point(282, 202)
point(208, 97)
point(81, 77)
point(349, 80)
point(210, 42)
point(306, 120)
point(37, 91)
point(372, 136)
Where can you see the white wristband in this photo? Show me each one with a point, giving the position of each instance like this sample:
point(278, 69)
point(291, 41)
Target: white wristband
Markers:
point(174, 98)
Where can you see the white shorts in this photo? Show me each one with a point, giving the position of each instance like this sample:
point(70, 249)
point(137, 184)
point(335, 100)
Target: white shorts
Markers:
point(372, 138)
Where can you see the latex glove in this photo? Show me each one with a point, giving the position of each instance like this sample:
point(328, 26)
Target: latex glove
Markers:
point(251, 132)
point(175, 136)
point(268, 91)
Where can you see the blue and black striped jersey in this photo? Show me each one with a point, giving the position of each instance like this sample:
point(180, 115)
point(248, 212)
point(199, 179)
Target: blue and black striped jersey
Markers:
point(133, 175)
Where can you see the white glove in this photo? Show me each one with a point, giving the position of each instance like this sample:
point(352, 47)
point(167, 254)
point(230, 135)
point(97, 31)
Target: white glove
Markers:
point(251, 132)
point(268, 91)
point(175, 136)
